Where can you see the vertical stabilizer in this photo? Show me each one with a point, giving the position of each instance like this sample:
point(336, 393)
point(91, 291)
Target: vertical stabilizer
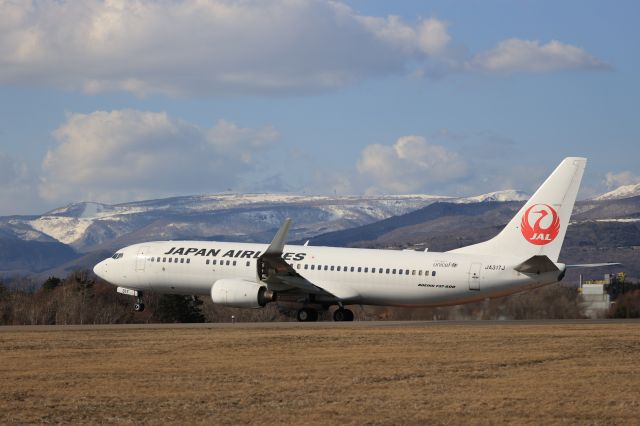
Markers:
point(540, 226)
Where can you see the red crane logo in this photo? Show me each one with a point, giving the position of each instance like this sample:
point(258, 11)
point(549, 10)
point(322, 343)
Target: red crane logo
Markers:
point(536, 234)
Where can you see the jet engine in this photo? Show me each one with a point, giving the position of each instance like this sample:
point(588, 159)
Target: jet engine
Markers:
point(240, 294)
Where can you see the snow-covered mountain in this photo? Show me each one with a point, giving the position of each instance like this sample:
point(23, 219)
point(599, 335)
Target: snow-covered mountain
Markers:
point(508, 195)
point(625, 191)
point(80, 234)
point(87, 226)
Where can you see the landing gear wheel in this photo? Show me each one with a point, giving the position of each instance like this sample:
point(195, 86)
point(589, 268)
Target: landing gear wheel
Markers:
point(342, 314)
point(138, 307)
point(307, 315)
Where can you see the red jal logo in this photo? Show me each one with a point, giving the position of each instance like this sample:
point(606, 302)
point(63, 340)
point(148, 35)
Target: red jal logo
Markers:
point(537, 234)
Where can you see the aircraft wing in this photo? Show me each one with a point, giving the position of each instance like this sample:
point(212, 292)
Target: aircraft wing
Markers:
point(278, 274)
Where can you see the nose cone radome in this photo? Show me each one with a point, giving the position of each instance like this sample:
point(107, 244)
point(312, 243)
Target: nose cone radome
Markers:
point(101, 270)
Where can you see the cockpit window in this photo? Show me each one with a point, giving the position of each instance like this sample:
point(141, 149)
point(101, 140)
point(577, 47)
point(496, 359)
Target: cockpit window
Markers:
point(117, 256)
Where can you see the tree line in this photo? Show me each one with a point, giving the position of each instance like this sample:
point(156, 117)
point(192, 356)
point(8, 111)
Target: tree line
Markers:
point(83, 298)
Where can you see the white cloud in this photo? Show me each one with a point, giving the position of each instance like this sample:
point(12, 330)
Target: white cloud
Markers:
point(515, 55)
point(205, 46)
point(210, 47)
point(433, 36)
point(126, 154)
point(411, 164)
point(615, 180)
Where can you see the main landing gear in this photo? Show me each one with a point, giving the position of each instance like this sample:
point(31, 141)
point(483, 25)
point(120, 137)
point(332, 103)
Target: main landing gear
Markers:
point(307, 315)
point(342, 314)
point(339, 315)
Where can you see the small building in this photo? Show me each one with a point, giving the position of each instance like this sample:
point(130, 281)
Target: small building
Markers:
point(596, 294)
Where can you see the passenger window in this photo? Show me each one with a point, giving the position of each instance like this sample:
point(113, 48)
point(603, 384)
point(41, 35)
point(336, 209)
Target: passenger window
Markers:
point(399, 271)
point(426, 273)
point(420, 272)
point(306, 266)
point(207, 261)
point(366, 269)
point(393, 271)
point(387, 270)
point(249, 263)
point(164, 259)
point(151, 259)
point(353, 269)
point(297, 266)
point(312, 267)
point(433, 273)
point(332, 267)
point(359, 269)
point(380, 270)
point(406, 272)
point(326, 267)
point(234, 263)
point(213, 262)
point(175, 260)
point(338, 269)
point(182, 260)
point(228, 262)
point(413, 272)
point(169, 260)
point(188, 260)
point(373, 270)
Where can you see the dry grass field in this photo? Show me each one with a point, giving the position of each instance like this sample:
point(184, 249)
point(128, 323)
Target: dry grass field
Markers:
point(417, 373)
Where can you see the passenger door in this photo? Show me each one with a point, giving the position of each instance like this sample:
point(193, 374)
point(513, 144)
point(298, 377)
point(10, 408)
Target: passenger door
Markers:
point(141, 259)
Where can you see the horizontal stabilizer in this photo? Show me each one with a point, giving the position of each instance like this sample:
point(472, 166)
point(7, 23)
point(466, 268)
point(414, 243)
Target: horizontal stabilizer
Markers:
point(592, 265)
point(537, 265)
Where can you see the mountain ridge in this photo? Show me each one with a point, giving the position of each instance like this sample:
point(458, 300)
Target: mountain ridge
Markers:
point(82, 229)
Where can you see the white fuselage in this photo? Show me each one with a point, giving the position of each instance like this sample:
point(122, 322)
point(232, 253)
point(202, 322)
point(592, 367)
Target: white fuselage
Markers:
point(354, 276)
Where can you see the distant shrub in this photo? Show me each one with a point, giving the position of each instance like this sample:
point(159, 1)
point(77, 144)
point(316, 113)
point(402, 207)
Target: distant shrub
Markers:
point(626, 305)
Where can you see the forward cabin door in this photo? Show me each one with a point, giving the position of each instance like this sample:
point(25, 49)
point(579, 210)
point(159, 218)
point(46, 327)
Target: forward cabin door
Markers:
point(141, 259)
point(474, 276)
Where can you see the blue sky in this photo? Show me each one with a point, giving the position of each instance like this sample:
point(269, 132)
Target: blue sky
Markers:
point(119, 101)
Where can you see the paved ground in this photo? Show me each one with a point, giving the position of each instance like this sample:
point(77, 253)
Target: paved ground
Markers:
point(320, 324)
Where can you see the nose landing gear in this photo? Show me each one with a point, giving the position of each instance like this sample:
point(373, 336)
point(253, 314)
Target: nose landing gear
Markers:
point(139, 306)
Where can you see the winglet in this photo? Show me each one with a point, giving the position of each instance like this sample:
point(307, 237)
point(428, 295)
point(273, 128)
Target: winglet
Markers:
point(277, 245)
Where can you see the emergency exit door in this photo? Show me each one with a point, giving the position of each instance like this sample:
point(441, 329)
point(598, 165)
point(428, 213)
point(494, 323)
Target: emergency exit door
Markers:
point(474, 276)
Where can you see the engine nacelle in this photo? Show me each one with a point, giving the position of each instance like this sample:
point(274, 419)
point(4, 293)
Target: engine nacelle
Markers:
point(240, 294)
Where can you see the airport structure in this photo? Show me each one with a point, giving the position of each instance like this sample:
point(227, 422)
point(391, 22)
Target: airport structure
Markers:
point(598, 295)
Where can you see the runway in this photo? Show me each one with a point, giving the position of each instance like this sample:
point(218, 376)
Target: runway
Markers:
point(320, 324)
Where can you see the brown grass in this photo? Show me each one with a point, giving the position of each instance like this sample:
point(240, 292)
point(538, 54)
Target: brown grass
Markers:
point(437, 374)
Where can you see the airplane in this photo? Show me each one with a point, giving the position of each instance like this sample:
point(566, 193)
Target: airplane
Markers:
point(523, 256)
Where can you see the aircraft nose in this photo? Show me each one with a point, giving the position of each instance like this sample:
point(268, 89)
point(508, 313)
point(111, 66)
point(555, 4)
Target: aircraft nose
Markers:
point(101, 269)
